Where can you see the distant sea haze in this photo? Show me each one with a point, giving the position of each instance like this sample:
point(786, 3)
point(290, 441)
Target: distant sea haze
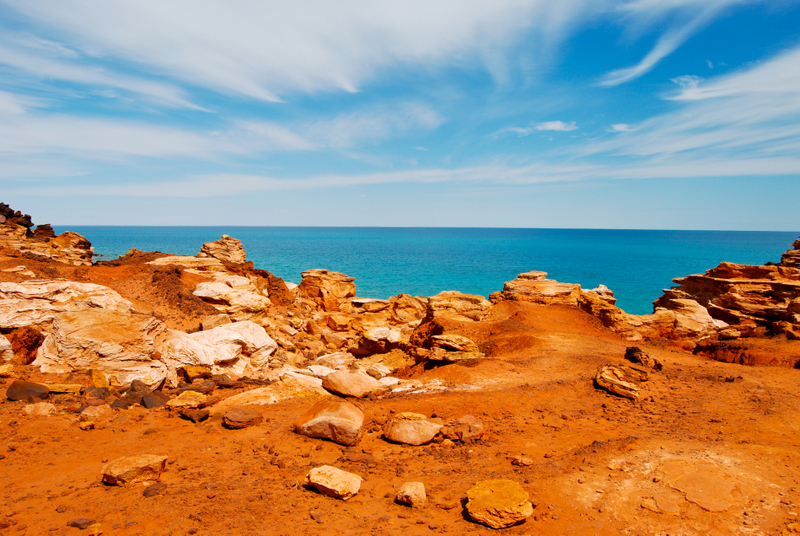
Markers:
point(635, 264)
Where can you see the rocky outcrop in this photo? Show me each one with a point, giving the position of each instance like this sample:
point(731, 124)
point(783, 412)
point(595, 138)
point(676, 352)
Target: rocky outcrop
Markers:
point(453, 305)
point(328, 290)
point(226, 249)
point(235, 296)
point(37, 302)
point(17, 239)
point(791, 258)
point(534, 287)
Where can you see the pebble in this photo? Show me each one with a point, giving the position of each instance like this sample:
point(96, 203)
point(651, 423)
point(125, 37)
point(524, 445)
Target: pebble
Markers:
point(81, 523)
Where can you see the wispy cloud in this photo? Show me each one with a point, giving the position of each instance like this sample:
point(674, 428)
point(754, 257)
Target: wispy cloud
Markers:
point(545, 126)
point(621, 127)
point(558, 126)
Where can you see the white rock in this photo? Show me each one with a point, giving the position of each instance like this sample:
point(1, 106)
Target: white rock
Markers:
point(388, 381)
point(334, 482)
point(40, 409)
point(346, 383)
point(412, 494)
point(239, 302)
point(336, 360)
point(6, 352)
point(319, 371)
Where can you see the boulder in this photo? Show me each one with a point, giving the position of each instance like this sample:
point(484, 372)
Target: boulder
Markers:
point(498, 503)
point(639, 356)
point(238, 418)
point(467, 428)
point(22, 390)
point(329, 290)
point(225, 249)
point(453, 305)
point(377, 340)
point(36, 303)
point(411, 429)
point(122, 346)
point(407, 309)
point(355, 384)
point(236, 297)
point(336, 360)
point(334, 482)
point(412, 494)
point(534, 287)
point(620, 380)
point(6, 351)
point(132, 469)
point(333, 419)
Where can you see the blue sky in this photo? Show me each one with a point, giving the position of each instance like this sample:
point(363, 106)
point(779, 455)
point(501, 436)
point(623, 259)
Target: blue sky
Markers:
point(652, 114)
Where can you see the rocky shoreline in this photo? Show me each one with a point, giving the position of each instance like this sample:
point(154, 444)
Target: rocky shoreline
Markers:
point(223, 347)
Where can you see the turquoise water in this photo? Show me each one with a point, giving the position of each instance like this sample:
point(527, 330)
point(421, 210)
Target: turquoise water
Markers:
point(635, 264)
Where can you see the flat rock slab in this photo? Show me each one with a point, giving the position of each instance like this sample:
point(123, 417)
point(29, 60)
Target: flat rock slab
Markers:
point(131, 469)
point(707, 490)
point(498, 503)
point(22, 390)
point(333, 419)
point(237, 418)
point(355, 384)
point(334, 482)
point(620, 380)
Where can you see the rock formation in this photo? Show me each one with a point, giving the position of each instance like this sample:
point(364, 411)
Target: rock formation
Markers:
point(18, 240)
point(226, 249)
point(536, 288)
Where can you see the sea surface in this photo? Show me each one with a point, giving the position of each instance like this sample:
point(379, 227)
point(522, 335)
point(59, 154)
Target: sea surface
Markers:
point(635, 264)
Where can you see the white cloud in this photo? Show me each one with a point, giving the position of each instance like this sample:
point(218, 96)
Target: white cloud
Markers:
point(559, 126)
point(11, 103)
point(621, 127)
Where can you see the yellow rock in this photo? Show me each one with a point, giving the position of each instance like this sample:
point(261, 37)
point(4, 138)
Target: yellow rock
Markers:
point(131, 469)
point(99, 379)
point(498, 503)
point(188, 399)
point(6, 370)
point(409, 416)
point(196, 371)
point(64, 387)
point(94, 530)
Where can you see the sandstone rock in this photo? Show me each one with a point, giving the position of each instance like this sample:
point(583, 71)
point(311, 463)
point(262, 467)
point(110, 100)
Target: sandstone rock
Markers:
point(412, 494)
point(792, 257)
point(356, 384)
point(39, 409)
point(378, 371)
point(536, 288)
point(453, 305)
point(189, 399)
point(81, 523)
point(621, 380)
point(334, 482)
point(238, 418)
point(336, 360)
point(636, 355)
point(411, 429)
point(7, 370)
point(338, 322)
point(498, 503)
point(212, 321)
point(155, 399)
point(467, 428)
point(370, 305)
point(241, 302)
point(6, 351)
point(68, 247)
point(96, 414)
point(225, 249)
point(132, 469)
point(36, 303)
point(22, 390)
point(408, 309)
point(327, 289)
point(207, 266)
point(333, 419)
point(99, 379)
point(122, 346)
point(604, 293)
point(194, 415)
point(377, 340)
point(319, 371)
point(453, 348)
point(60, 388)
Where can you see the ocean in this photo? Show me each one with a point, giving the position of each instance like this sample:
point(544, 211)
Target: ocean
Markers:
point(635, 264)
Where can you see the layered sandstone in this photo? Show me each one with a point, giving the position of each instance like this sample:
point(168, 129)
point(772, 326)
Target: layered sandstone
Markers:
point(17, 239)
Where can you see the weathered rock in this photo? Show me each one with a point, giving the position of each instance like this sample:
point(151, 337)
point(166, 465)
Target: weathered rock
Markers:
point(637, 355)
point(123, 346)
point(194, 415)
point(377, 340)
point(16, 240)
point(338, 322)
point(378, 371)
point(370, 305)
point(412, 494)
point(60, 388)
point(621, 380)
point(96, 414)
point(327, 289)
point(6, 351)
point(498, 503)
point(81, 523)
point(155, 399)
point(22, 390)
point(334, 482)
point(235, 296)
point(333, 419)
point(411, 429)
point(189, 399)
point(25, 343)
point(39, 409)
point(534, 287)
point(225, 249)
point(36, 303)
point(336, 360)
point(408, 309)
point(212, 321)
point(132, 469)
point(453, 348)
point(453, 305)
point(238, 418)
point(7, 370)
point(355, 384)
point(467, 428)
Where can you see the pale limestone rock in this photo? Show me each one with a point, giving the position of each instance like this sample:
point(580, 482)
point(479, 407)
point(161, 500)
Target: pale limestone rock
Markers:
point(213, 321)
point(37, 302)
point(453, 305)
point(356, 384)
point(40, 409)
point(336, 360)
point(412, 494)
point(334, 482)
point(692, 321)
point(333, 419)
point(195, 264)
point(319, 371)
point(410, 429)
point(240, 302)
point(388, 381)
point(21, 270)
point(536, 288)
point(132, 469)
point(329, 290)
point(6, 351)
point(498, 503)
point(122, 346)
point(225, 249)
point(621, 380)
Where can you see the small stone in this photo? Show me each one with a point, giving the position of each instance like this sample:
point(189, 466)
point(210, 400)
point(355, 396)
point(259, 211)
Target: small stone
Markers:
point(6, 370)
point(131, 469)
point(82, 523)
point(194, 415)
point(238, 418)
point(94, 530)
point(40, 409)
point(22, 390)
point(522, 461)
point(61, 508)
point(498, 503)
point(464, 429)
point(156, 399)
point(355, 384)
point(155, 489)
point(412, 494)
point(98, 379)
point(334, 482)
point(96, 413)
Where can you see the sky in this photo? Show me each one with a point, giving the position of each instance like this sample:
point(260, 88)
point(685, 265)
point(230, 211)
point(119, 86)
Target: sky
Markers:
point(633, 114)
